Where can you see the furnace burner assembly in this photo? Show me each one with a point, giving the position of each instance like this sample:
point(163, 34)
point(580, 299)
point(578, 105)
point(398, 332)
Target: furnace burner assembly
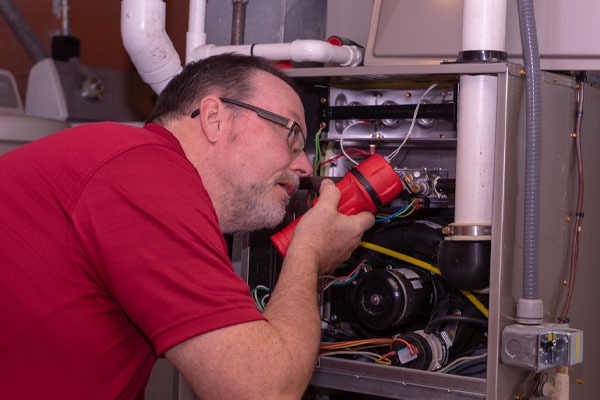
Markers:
point(390, 304)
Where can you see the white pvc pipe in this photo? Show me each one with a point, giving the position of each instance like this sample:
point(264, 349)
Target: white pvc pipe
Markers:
point(484, 25)
point(298, 50)
point(154, 56)
point(196, 34)
point(147, 43)
point(484, 29)
point(475, 149)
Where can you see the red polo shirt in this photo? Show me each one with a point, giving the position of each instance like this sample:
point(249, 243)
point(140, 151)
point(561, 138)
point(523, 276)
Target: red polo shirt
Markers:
point(110, 254)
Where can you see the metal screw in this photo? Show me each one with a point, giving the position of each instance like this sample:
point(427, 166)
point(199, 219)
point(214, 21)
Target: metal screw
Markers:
point(375, 299)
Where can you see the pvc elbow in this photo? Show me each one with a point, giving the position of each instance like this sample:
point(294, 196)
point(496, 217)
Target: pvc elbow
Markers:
point(147, 43)
point(321, 51)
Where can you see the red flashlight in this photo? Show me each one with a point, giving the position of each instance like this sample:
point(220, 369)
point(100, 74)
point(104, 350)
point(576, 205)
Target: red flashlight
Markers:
point(369, 186)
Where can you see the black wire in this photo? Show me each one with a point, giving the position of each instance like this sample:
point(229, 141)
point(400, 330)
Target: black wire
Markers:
point(454, 318)
point(468, 373)
point(335, 333)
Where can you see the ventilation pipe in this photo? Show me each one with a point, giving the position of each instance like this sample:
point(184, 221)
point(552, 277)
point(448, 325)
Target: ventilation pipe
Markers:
point(464, 256)
point(305, 50)
point(298, 50)
point(155, 58)
point(196, 34)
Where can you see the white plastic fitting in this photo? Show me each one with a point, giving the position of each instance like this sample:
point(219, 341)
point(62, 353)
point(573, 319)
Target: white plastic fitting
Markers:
point(147, 43)
point(559, 390)
point(530, 311)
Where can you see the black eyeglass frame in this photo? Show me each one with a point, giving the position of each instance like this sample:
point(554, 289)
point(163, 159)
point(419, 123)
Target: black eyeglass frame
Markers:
point(290, 124)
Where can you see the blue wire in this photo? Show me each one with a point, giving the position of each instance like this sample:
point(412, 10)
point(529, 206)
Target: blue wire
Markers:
point(394, 215)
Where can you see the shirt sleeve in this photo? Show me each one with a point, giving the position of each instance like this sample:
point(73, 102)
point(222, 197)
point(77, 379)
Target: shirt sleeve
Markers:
point(150, 232)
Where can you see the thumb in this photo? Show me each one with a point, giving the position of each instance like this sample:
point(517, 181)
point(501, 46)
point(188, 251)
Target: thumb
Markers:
point(329, 193)
point(365, 219)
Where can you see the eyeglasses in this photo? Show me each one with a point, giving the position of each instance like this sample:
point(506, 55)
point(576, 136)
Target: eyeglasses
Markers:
point(295, 138)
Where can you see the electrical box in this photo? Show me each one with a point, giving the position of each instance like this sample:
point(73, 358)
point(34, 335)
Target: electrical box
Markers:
point(540, 347)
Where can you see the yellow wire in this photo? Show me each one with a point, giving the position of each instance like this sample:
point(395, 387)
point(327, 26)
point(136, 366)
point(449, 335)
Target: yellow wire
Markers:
point(422, 264)
point(475, 301)
point(400, 256)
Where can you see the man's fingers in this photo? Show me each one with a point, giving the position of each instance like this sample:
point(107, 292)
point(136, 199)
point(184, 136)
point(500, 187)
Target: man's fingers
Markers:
point(365, 219)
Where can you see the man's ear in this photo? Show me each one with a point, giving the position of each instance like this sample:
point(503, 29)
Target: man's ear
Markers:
point(211, 118)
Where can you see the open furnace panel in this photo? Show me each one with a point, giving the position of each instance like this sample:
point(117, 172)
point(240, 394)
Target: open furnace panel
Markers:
point(393, 326)
point(388, 306)
point(388, 310)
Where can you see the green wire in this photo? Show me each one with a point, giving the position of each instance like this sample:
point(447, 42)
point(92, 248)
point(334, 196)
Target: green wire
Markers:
point(317, 151)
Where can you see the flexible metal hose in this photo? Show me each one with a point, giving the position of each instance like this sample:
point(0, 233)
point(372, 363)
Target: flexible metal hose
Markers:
point(533, 104)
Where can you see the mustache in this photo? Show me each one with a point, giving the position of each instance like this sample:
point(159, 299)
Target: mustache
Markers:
point(289, 178)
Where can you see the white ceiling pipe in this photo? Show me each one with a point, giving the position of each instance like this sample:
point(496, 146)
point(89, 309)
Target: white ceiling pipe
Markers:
point(154, 56)
point(196, 34)
point(147, 43)
point(298, 51)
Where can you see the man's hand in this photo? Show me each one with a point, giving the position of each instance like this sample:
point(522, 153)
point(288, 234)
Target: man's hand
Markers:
point(329, 235)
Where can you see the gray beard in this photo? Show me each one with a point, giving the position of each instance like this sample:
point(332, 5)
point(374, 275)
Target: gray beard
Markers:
point(251, 208)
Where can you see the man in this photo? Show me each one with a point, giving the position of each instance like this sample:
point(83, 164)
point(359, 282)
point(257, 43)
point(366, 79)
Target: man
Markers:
point(112, 250)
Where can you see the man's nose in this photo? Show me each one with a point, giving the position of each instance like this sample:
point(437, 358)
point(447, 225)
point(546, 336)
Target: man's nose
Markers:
point(301, 166)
